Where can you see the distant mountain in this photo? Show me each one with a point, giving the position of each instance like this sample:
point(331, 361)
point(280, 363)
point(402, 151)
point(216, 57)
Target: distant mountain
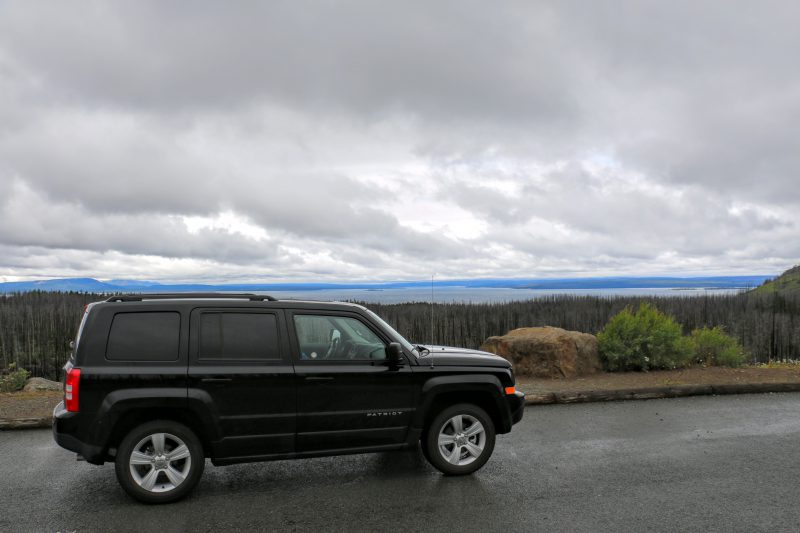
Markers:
point(64, 284)
point(786, 283)
point(115, 286)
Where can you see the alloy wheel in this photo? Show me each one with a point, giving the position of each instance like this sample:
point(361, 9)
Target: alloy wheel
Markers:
point(160, 462)
point(461, 440)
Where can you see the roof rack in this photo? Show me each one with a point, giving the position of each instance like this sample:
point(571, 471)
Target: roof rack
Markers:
point(191, 295)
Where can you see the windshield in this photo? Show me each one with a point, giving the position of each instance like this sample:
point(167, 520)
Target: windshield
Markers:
point(399, 338)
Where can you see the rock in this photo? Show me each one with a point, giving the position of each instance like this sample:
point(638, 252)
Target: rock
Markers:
point(547, 352)
point(39, 384)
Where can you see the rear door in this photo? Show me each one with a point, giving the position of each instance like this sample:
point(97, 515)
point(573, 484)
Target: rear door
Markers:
point(239, 362)
point(348, 395)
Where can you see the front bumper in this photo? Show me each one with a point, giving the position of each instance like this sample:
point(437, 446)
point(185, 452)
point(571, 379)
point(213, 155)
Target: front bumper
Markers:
point(517, 406)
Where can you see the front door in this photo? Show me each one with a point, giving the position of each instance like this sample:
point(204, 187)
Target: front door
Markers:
point(240, 362)
point(348, 395)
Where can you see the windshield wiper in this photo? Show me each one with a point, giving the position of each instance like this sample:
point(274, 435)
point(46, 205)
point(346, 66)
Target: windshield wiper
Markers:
point(423, 351)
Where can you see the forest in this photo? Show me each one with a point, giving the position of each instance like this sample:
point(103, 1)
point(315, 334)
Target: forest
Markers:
point(36, 327)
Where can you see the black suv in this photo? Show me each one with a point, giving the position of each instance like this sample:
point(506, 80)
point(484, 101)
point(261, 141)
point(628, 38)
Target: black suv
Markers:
point(157, 383)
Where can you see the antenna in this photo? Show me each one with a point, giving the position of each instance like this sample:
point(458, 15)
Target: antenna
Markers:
point(432, 336)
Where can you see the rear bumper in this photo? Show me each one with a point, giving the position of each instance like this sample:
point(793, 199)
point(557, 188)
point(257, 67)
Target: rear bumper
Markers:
point(65, 426)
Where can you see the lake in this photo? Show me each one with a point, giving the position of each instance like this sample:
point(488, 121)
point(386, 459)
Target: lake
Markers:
point(482, 295)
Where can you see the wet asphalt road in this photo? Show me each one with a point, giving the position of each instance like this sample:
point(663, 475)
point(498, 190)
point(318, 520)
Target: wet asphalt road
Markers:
point(728, 463)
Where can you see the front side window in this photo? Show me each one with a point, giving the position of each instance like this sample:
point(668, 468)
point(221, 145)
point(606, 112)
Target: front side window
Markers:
point(340, 338)
point(238, 336)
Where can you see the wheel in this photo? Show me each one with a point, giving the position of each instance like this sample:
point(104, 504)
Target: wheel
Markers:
point(159, 462)
point(460, 439)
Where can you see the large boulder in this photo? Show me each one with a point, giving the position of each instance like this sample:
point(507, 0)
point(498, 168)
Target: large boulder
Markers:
point(547, 352)
point(39, 384)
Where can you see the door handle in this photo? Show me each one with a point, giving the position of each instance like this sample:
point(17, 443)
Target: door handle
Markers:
point(215, 380)
point(319, 378)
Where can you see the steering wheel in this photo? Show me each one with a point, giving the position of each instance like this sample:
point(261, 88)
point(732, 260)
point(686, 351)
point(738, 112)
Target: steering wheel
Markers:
point(333, 344)
point(379, 351)
point(349, 350)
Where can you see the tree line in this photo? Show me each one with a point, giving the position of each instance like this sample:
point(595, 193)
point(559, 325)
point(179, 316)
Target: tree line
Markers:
point(36, 327)
point(767, 326)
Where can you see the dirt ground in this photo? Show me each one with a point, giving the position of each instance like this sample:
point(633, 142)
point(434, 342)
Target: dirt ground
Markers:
point(659, 378)
point(40, 404)
point(28, 404)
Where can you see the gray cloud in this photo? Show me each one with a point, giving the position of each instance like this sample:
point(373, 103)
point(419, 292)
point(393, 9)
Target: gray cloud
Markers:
point(361, 55)
point(361, 140)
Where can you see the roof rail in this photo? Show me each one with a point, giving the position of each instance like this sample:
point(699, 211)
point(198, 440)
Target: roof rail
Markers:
point(191, 295)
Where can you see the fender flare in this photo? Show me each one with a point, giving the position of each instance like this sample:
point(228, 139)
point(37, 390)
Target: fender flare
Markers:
point(481, 383)
point(120, 403)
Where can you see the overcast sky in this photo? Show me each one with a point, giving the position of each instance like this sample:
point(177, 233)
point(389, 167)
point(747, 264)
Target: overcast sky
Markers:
point(377, 140)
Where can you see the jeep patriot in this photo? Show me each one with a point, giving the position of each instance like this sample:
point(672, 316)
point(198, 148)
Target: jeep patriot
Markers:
point(158, 383)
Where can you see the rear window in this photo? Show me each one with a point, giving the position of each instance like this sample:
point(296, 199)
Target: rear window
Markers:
point(144, 337)
point(239, 336)
point(80, 330)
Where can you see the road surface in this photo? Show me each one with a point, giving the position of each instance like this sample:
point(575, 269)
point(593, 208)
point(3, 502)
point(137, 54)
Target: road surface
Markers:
point(729, 463)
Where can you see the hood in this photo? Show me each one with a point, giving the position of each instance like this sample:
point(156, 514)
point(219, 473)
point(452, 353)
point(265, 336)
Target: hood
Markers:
point(449, 356)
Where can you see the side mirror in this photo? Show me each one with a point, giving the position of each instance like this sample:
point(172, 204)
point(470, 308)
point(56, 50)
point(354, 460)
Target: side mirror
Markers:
point(394, 354)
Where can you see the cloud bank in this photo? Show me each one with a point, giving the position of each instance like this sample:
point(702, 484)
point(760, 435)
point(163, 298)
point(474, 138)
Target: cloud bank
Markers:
point(364, 141)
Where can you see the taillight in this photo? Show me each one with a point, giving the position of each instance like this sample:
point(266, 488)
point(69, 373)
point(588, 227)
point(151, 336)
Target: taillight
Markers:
point(71, 389)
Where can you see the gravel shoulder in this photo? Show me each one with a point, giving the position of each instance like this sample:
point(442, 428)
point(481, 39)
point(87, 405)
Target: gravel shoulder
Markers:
point(28, 404)
point(607, 381)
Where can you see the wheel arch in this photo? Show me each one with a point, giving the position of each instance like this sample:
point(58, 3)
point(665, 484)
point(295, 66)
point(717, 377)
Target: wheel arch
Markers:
point(126, 409)
point(138, 416)
point(480, 390)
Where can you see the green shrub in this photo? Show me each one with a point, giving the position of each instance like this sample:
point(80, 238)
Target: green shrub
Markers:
point(712, 346)
point(643, 340)
point(14, 379)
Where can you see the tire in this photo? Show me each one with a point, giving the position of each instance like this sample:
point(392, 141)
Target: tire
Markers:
point(423, 445)
point(460, 452)
point(153, 477)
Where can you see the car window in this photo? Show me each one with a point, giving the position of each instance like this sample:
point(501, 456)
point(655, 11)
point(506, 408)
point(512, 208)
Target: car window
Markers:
point(238, 336)
point(328, 337)
point(145, 336)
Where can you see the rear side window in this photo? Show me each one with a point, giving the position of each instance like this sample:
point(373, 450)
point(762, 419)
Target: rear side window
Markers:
point(144, 337)
point(239, 336)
